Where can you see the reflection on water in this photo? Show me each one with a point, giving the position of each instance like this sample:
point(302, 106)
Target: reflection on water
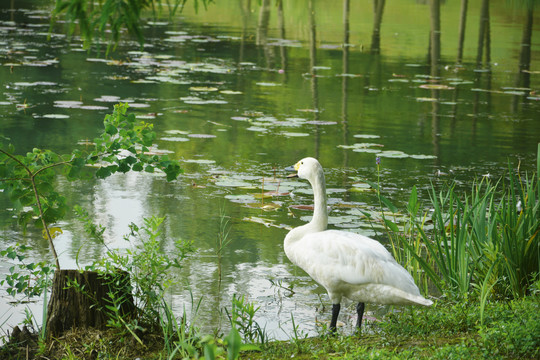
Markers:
point(238, 92)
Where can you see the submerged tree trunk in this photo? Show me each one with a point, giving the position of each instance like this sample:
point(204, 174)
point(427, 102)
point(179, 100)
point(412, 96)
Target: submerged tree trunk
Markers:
point(80, 299)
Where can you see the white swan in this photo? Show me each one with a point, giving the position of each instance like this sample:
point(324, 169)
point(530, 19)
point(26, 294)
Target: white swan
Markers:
point(344, 263)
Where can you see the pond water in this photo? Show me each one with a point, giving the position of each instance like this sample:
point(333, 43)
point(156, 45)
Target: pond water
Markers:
point(241, 90)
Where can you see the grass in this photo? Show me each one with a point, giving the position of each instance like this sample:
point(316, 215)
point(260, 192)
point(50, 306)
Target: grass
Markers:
point(447, 330)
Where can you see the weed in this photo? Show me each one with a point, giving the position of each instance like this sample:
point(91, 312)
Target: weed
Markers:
point(242, 317)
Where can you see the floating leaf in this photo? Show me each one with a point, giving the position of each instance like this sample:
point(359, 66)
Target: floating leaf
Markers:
point(232, 182)
point(361, 187)
point(36, 83)
point(108, 98)
point(203, 88)
point(200, 161)
point(176, 132)
point(426, 99)
point(137, 105)
point(366, 136)
point(269, 84)
point(302, 207)
point(202, 136)
point(294, 134)
point(436, 87)
point(257, 129)
point(56, 116)
point(361, 146)
point(393, 154)
point(320, 122)
point(240, 198)
point(174, 138)
point(423, 157)
point(399, 80)
point(94, 107)
point(230, 92)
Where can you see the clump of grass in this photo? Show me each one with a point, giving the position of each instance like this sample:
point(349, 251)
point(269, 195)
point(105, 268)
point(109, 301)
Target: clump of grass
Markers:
point(448, 330)
point(485, 243)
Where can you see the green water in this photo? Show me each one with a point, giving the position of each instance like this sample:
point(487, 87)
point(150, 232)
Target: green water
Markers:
point(237, 102)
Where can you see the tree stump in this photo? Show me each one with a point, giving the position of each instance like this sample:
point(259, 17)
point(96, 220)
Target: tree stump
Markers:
point(79, 299)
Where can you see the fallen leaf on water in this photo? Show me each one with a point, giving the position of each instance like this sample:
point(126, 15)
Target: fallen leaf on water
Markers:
point(203, 88)
point(436, 87)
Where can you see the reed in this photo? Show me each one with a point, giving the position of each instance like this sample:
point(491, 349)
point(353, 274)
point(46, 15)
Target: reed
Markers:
point(483, 243)
point(480, 243)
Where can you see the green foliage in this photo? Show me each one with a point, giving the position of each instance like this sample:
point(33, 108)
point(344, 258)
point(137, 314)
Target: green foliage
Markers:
point(29, 180)
point(513, 331)
point(242, 318)
point(149, 267)
point(28, 279)
point(110, 17)
point(486, 243)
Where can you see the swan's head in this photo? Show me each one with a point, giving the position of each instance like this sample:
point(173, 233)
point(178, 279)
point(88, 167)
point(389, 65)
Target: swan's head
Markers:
point(308, 168)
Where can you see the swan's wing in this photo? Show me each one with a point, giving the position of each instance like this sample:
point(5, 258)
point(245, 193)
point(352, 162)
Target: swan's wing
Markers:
point(335, 257)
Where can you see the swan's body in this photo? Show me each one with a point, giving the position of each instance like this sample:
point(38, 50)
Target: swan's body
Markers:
point(344, 263)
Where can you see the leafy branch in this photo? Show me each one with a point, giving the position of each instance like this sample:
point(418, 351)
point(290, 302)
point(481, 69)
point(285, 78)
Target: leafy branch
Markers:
point(28, 179)
point(96, 19)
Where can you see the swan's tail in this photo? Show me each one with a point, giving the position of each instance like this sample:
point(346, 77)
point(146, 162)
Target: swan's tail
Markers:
point(389, 295)
point(423, 301)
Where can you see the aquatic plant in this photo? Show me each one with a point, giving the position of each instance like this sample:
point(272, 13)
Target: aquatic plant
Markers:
point(485, 242)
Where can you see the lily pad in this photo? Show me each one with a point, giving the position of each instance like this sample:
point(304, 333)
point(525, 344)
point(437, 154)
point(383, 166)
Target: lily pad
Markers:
point(294, 134)
point(366, 136)
point(426, 99)
point(268, 84)
point(176, 132)
point(257, 129)
point(240, 198)
point(174, 138)
point(240, 118)
point(137, 105)
point(200, 161)
point(37, 83)
point(94, 107)
point(436, 87)
point(203, 88)
point(227, 181)
point(423, 157)
point(393, 154)
point(108, 98)
point(361, 146)
point(230, 92)
point(56, 116)
point(202, 136)
point(321, 122)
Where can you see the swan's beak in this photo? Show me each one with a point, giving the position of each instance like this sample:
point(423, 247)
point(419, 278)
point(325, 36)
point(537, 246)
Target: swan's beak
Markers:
point(293, 169)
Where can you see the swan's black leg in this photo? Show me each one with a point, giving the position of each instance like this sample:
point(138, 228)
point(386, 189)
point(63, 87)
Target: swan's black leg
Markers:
point(335, 313)
point(360, 311)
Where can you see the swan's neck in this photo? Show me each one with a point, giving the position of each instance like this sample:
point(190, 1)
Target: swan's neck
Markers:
point(320, 216)
point(320, 211)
